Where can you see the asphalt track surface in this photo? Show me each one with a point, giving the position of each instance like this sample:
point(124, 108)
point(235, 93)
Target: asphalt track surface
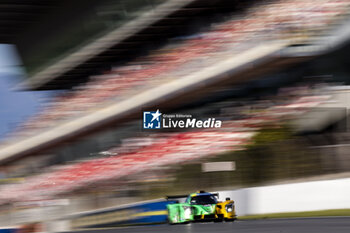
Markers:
point(297, 225)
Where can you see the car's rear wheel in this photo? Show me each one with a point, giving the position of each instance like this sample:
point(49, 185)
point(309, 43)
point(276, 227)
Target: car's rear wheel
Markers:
point(171, 222)
point(219, 219)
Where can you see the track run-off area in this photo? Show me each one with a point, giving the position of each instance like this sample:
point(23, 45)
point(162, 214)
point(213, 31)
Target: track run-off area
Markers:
point(295, 225)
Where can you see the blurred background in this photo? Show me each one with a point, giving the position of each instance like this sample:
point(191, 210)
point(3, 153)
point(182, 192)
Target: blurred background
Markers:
point(75, 77)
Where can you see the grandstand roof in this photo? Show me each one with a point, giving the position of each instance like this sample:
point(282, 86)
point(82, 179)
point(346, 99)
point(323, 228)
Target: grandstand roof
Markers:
point(17, 15)
point(162, 21)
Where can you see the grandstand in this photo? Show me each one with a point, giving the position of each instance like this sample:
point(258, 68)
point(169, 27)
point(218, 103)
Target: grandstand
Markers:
point(160, 59)
point(181, 65)
point(157, 151)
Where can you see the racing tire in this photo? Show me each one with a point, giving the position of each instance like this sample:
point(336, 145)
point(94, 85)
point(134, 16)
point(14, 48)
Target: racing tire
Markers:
point(230, 219)
point(170, 222)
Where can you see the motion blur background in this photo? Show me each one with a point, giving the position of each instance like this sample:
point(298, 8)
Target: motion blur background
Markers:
point(77, 75)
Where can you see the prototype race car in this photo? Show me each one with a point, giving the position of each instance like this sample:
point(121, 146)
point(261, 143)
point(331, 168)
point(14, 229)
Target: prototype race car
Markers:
point(200, 206)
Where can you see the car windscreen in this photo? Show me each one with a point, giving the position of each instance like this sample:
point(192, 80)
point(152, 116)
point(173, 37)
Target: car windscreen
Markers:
point(203, 200)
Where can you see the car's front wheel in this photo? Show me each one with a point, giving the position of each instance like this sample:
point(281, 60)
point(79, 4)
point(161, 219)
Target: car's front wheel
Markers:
point(230, 219)
point(220, 218)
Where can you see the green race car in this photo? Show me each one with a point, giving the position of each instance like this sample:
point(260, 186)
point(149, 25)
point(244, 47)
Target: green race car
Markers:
point(198, 207)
